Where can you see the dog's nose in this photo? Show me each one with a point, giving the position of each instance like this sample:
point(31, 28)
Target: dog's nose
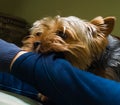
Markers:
point(36, 43)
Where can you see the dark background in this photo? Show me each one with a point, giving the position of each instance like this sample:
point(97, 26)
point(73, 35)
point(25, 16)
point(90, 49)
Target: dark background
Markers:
point(32, 10)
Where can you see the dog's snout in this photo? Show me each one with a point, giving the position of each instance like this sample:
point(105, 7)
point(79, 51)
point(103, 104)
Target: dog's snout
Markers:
point(37, 43)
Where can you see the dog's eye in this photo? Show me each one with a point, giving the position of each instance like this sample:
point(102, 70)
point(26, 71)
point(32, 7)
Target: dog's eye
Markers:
point(61, 34)
point(38, 33)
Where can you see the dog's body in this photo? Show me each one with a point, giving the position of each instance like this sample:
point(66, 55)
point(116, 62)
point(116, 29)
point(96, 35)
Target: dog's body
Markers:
point(87, 45)
point(108, 65)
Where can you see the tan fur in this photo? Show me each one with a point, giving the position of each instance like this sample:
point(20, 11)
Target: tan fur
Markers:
point(82, 41)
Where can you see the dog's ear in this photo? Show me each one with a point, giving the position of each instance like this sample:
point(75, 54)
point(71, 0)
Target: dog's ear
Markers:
point(105, 25)
point(97, 21)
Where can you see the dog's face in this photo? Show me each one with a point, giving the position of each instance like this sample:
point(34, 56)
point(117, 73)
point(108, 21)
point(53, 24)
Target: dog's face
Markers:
point(80, 41)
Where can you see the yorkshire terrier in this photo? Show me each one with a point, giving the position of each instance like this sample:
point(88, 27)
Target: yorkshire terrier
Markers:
point(87, 45)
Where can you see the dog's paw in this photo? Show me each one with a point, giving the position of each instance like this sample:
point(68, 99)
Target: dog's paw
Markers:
point(42, 97)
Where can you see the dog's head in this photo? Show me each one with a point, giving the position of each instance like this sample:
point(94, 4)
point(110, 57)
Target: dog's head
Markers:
point(80, 41)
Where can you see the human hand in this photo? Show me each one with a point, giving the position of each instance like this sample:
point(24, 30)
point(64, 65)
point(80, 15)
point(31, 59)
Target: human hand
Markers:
point(7, 53)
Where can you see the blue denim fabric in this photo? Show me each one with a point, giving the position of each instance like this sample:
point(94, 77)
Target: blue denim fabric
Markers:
point(10, 83)
point(64, 84)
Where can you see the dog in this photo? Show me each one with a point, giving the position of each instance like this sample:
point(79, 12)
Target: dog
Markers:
point(87, 45)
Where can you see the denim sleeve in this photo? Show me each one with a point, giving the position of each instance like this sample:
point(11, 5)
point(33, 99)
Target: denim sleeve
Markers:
point(9, 83)
point(63, 83)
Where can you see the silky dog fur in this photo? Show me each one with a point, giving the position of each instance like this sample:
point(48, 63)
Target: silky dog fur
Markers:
point(83, 43)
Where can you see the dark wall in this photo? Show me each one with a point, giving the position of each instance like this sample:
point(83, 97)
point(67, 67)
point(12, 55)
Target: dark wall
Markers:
point(32, 10)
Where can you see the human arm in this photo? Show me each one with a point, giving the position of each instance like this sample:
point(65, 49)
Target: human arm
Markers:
point(63, 83)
